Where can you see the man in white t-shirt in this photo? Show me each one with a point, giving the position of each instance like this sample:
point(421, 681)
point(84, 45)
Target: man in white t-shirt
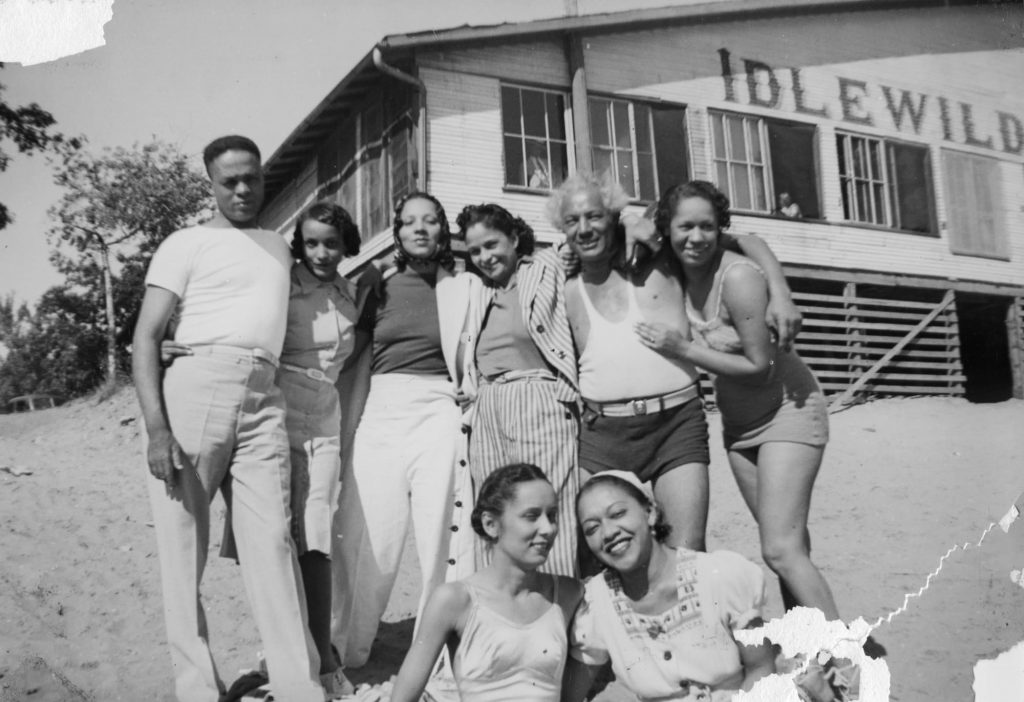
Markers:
point(215, 420)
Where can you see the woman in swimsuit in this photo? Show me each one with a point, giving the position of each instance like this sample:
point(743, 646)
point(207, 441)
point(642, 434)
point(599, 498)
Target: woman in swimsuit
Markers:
point(505, 625)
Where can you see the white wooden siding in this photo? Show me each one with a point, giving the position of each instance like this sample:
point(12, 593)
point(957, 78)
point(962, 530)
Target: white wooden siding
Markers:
point(538, 62)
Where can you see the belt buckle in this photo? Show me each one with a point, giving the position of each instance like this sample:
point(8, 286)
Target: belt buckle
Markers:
point(316, 374)
point(639, 407)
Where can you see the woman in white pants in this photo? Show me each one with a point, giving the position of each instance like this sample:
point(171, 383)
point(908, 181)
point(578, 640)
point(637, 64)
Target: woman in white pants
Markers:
point(408, 438)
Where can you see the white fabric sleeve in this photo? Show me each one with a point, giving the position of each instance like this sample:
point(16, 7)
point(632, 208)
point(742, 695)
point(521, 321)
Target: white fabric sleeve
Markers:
point(585, 644)
point(740, 585)
point(169, 268)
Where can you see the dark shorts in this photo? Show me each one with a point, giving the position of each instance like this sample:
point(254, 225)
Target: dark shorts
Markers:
point(648, 445)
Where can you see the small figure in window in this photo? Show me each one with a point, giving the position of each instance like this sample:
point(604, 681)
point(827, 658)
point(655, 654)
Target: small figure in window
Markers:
point(539, 177)
point(788, 208)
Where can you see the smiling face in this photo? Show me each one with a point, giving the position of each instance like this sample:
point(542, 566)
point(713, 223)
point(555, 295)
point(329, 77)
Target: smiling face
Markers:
point(693, 231)
point(492, 251)
point(322, 249)
point(420, 229)
point(588, 225)
point(528, 525)
point(616, 526)
point(237, 186)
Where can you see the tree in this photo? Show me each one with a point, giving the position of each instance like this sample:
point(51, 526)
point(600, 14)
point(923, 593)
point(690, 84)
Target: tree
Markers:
point(28, 127)
point(117, 208)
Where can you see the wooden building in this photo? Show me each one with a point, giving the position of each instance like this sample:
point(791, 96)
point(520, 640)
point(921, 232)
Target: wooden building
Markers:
point(896, 128)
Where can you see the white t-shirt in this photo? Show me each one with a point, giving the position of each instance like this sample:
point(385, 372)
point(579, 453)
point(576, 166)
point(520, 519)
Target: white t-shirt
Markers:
point(232, 285)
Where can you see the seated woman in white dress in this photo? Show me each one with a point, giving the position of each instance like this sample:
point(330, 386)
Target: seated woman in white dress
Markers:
point(505, 625)
point(663, 617)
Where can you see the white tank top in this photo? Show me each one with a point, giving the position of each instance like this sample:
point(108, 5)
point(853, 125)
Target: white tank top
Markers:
point(615, 366)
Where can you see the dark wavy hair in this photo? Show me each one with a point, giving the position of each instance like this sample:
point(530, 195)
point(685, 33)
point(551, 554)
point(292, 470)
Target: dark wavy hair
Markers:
point(333, 215)
point(496, 217)
point(444, 256)
point(231, 142)
point(499, 489)
point(694, 188)
point(662, 529)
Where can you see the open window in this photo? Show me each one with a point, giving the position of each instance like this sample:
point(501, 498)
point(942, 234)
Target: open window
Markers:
point(642, 145)
point(766, 165)
point(535, 137)
point(887, 183)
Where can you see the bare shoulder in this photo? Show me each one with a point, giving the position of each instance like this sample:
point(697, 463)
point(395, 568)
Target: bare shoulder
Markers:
point(570, 594)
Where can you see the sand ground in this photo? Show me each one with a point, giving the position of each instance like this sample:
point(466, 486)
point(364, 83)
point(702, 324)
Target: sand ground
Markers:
point(904, 481)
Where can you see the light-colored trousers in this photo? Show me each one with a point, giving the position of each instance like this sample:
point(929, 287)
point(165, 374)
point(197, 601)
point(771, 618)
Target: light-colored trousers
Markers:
point(314, 435)
point(522, 421)
point(402, 470)
point(228, 417)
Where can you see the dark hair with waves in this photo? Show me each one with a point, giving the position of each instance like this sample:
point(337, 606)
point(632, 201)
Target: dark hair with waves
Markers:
point(231, 142)
point(333, 215)
point(494, 216)
point(444, 256)
point(499, 489)
point(694, 188)
point(662, 529)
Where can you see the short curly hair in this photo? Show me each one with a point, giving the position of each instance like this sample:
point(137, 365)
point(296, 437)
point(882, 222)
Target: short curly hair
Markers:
point(662, 529)
point(334, 215)
point(444, 256)
point(694, 188)
point(496, 217)
point(613, 197)
point(231, 142)
point(498, 490)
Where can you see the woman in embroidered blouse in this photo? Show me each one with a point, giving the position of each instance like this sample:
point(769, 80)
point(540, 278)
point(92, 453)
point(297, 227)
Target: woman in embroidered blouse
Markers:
point(526, 408)
point(505, 625)
point(663, 617)
point(774, 416)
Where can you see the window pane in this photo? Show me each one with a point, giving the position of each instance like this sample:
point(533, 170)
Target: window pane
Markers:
point(515, 173)
point(860, 160)
point(864, 212)
point(645, 168)
point(722, 173)
point(793, 166)
point(599, 127)
point(741, 197)
point(670, 153)
point(538, 171)
point(876, 160)
point(754, 135)
point(620, 116)
point(559, 167)
point(913, 204)
point(556, 116)
point(757, 189)
point(878, 200)
point(841, 149)
point(718, 135)
point(533, 113)
point(642, 122)
point(603, 161)
point(736, 141)
point(510, 115)
point(625, 174)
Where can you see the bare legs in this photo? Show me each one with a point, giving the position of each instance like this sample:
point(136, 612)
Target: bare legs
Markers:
point(776, 481)
point(682, 493)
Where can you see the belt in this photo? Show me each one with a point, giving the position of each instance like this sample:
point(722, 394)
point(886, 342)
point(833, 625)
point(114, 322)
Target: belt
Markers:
point(644, 405)
point(257, 353)
point(514, 375)
point(314, 373)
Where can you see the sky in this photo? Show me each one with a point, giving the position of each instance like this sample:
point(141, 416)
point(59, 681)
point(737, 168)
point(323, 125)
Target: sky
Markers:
point(191, 70)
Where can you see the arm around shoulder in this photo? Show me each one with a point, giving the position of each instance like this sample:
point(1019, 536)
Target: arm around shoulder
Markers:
point(439, 621)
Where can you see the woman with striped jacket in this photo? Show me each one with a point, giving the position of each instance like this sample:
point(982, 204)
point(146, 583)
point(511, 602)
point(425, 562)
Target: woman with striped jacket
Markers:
point(522, 363)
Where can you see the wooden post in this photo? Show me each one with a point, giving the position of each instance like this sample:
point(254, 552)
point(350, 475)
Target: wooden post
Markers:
point(580, 104)
point(1015, 338)
point(854, 341)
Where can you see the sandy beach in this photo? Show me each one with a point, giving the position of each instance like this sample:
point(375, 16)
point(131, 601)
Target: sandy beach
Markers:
point(904, 481)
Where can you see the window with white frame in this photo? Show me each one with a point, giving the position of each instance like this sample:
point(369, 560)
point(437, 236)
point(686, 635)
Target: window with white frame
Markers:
point(766, 165)
point(886, 182)
point(535, 137)
point(642, 145)
point(974, 205)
